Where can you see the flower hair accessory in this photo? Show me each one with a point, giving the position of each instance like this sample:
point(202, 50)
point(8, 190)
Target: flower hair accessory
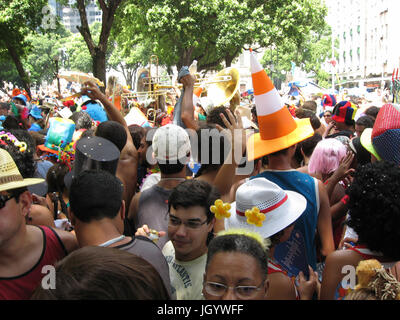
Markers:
point(221, 209)
point(11, 138)
point(255, 217)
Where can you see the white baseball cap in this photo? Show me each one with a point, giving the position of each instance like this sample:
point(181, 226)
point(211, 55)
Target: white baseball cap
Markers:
point(171, 143)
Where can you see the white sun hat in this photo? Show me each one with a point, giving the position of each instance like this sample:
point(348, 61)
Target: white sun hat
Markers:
point(280, 207)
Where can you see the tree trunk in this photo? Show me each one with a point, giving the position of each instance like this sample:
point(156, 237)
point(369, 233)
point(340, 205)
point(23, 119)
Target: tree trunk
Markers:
point(20, 68)
point(230, 58)
point(186, 58)
point(99, 66)
point(130, 79)
point(98, 52)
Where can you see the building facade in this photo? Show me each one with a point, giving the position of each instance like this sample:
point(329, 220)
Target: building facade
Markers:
point(70, 15)
point(367, 32)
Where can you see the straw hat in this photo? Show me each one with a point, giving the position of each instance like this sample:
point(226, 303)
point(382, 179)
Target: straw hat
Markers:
point(10, 177)
point(280, 207)
point(278, 129)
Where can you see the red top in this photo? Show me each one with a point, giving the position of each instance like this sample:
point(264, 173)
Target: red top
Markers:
point(274, 267)
point(22, 287)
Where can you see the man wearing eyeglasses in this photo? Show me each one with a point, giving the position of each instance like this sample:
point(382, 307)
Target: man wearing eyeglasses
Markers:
point(190, 229)
point(26, 251)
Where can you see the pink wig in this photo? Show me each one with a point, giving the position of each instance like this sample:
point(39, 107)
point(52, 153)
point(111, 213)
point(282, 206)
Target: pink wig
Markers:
point(326, 156)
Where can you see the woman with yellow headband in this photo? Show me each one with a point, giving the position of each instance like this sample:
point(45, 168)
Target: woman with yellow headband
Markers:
point(236, 267)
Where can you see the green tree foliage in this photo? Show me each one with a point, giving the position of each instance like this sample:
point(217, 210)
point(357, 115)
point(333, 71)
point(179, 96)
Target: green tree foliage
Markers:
point(310, 55)
point(44, 47)
point(70, 48)
point(17, 19)
point(216, 31)
point(129, 60)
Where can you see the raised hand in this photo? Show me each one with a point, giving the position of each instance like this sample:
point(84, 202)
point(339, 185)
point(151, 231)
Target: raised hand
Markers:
point(307, 288)
point(235, 126)
point(92, 91)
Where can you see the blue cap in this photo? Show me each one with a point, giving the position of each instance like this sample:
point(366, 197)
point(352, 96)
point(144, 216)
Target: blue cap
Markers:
point(21, 97)
point(36, 113)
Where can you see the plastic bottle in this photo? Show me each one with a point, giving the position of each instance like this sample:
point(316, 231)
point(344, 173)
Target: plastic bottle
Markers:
point(193, 68)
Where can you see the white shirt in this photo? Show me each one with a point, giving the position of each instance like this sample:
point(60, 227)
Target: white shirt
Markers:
point(186, 276)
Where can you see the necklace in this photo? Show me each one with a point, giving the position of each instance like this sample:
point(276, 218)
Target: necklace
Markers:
point(112, 241)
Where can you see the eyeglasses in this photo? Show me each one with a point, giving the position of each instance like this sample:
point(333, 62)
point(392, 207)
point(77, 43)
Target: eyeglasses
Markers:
point(192, 224)
point(4, 198)
point(243, 292)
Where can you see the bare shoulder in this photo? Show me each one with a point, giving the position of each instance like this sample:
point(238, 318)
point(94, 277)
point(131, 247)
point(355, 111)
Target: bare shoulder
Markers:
point(340, 258)
point(68, 239)
point(281, 287)
point(134, 206)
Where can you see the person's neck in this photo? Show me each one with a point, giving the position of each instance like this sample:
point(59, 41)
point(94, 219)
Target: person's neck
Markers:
point(208, 175)
point(170, 181)
point(16, 247)
point(190, 257)
point(306, 160)
point(98, 232)
point(279, 163)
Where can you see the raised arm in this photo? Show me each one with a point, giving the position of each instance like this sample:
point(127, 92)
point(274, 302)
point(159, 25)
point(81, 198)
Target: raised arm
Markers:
point(325, 222)
point(129, 158)
point(226, 174)
point(187, 110)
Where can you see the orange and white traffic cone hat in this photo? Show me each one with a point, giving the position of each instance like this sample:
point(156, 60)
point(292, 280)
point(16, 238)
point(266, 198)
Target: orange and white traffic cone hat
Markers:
point(278, 129)
point(196, 95)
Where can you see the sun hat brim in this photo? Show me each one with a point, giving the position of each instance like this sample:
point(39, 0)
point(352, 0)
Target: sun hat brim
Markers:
point(257, 147)
point(275, 220)
point(366, 142)
point(19, 184)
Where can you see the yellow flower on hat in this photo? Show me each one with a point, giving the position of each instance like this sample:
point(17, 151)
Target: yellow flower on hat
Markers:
point(221, 209)
point(254, 216)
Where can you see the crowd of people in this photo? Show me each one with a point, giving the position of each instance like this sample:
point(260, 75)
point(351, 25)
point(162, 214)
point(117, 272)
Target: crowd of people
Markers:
point(261, 201)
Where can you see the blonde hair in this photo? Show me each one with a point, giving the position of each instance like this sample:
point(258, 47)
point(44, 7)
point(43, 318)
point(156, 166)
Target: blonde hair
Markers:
point(374, 283)
point(265, 243)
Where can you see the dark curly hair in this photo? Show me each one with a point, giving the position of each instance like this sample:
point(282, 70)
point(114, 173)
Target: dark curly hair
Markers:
point(82, 120)
point(374, 207)
point(23, 160)
point(239, 243)
point(214, 117)
point(11, 122)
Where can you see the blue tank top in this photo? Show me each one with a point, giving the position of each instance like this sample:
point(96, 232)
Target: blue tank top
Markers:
point(306, 224)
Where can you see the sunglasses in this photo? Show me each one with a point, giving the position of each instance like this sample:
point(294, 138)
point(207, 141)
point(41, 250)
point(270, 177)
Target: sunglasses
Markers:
point(4, 198)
